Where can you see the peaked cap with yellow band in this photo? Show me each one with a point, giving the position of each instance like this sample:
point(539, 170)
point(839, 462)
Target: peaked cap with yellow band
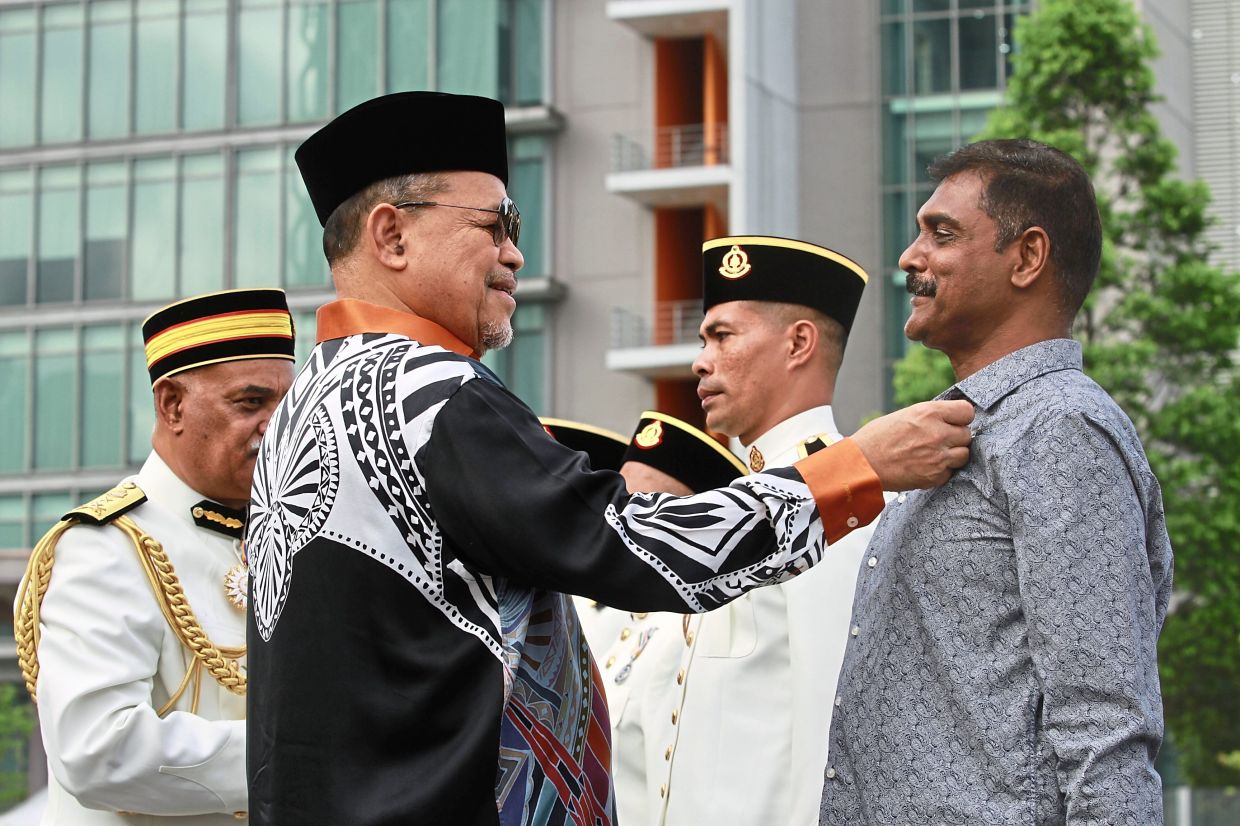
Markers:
point(767, 268)
point(604, 447)
point(225, 326)
point(683, 452)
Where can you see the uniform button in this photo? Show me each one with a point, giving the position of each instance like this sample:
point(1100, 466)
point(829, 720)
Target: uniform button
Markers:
point(625, 634)
point(667, 755)
point(680, 677)
point(852, 522)
point(856, 629)
point(663, 790)
point(830, 774)
point(872, 561)
point(641, 615)
point(675, 715)
point(610, 662)
point(689, 638)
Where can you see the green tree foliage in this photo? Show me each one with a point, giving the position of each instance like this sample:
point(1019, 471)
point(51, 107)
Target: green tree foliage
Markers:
point(16, 723)
point(1160, 331)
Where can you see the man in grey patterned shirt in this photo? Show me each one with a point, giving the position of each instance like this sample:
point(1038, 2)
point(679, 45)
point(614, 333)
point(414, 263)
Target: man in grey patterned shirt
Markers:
point(1002, 666)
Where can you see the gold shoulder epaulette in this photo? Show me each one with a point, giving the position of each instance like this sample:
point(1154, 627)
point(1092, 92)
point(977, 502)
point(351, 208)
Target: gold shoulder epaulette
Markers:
point(104, 508)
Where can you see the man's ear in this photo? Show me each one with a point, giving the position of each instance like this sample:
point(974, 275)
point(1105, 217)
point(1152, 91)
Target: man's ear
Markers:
point(170, 397)
point(383, 234)
point(1033, 255)
point(802, 341)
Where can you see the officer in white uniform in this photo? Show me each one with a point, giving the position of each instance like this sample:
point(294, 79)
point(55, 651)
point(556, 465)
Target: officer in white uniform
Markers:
point(130, 621)
point(722, 718)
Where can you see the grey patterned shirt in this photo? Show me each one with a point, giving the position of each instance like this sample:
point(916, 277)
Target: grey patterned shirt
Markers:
point(1002, 667)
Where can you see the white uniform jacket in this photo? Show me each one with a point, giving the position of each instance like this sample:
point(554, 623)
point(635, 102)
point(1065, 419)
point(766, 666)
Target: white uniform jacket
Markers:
point(109, 660)
point(723, 718)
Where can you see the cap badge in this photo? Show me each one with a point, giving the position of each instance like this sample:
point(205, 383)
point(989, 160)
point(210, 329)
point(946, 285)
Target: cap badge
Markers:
point(756, 460)
point(650, 436)
point(735, 263)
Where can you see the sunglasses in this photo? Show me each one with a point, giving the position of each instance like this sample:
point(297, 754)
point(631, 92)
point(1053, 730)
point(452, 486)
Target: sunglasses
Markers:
point(508, 225)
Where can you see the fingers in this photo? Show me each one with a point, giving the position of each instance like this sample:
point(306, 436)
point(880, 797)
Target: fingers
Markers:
point(956, 457)
point(956, 411)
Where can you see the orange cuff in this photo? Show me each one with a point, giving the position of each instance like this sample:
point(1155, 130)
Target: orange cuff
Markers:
point(844, 486)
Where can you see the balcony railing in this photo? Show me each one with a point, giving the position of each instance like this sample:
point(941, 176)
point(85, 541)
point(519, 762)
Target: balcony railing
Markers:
point(674, 322)
point(670, 147)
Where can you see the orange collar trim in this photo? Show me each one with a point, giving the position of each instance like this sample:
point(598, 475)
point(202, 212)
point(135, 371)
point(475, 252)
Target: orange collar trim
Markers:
point(350, 316)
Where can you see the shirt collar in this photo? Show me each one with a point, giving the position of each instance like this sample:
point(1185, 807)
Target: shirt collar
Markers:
point(988, 386)
point(785, 436)
point(351, 316)
point(162, 485)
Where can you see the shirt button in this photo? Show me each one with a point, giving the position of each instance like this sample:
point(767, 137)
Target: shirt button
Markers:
point(856, 629)
point(872, 561)
point(610, 662)
point(667, 755)
point(680, 677)
point(830, 773)
point(852, 522)
point(625, 634)
point(839, 701)
point(901, 498)
point(675, 715)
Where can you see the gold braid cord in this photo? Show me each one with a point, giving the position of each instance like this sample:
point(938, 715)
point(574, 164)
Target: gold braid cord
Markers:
point(220, 662)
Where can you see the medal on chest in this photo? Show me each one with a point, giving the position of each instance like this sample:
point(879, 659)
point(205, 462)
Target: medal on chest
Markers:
point(236, 585)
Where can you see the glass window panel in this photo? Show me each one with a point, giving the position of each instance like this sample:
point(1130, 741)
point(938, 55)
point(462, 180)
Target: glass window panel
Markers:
point(141, 416)
point(304, 263)
point(14, 372)
point(15, 242)
point(357, 69)
point(304, 326)
point(895, 59)
point(894, 6)
point(976, 4)
point(895, 147)
point(933, 135)
point(899, 227)
point(108, 99)
point(54, 398)
point(59, 233)
point(1007, 45)
point(202, 219)
point(408, 45)
point(102, 411)
point(155, 99)
point(527, 49)
point(259, 64)
point(61, 112)
point(256, 244)
point(979, 47)
point(309, 35)
point(931, 5)
point(107, 230)
point(972, 121)
point(932, 56)
point(12, 522)
point(526, 187)
point(467, 47)
point(47, 508)
point(17, 72)
point(202, 224)
point(206, 62)
point(152, 273)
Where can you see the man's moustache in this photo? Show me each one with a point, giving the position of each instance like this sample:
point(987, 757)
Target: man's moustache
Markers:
point(920, 286)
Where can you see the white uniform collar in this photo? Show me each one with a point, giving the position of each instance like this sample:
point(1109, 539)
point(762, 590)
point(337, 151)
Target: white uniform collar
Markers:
point(163, 486)
point(778, 446)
